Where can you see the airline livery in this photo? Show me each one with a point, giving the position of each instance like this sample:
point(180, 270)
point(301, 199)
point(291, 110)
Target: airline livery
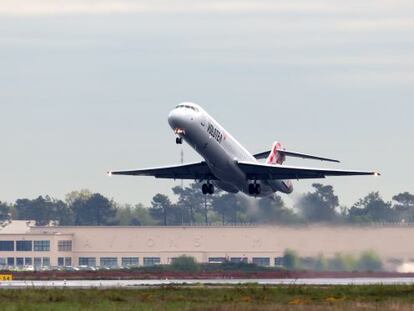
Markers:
point(227, 164)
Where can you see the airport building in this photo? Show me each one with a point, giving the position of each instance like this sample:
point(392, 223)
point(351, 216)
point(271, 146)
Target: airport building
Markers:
point(23, 244)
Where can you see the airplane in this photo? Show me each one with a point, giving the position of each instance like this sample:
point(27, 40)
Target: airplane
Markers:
point(227, 164)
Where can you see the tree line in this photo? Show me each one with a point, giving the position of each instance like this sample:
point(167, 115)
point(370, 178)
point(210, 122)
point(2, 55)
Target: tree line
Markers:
point(84, 208)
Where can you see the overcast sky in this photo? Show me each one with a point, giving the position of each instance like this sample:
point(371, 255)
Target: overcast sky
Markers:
point(86, 86)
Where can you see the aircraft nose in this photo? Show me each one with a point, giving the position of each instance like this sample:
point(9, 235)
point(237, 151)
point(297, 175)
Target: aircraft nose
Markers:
point(174, 119)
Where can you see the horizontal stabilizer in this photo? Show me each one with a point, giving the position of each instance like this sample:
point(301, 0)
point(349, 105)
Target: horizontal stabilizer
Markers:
point(259, 171)
point(287, 153)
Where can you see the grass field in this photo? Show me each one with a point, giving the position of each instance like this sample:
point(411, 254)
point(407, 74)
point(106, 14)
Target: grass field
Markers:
point(251, 297)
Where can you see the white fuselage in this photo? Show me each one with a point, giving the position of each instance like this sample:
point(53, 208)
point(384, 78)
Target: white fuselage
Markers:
point(220, 150)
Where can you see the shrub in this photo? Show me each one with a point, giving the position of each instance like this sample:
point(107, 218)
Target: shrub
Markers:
point(369, 261)
point(291, 260)
point(321, 263)
point(185, 264)
point(342, 263)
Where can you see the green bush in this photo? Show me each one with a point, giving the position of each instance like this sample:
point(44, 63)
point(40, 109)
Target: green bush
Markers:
point(291, 260)
point(228, 266)
point(369, 261)
point(321, 263)
point(185, 264)
point(342, 263)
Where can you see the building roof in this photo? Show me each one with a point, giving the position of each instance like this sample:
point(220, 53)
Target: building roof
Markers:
point(16, 226)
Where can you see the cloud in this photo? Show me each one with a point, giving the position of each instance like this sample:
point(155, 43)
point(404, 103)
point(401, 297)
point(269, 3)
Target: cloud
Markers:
point(376, 24)
point(49, 7)
point(59, 7)
point(352, 16)
point(368, 78)
point(42, 7)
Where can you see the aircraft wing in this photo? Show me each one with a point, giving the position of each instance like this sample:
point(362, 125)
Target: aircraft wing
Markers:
point(196, 171)
point(261, 171)
point(264, 155)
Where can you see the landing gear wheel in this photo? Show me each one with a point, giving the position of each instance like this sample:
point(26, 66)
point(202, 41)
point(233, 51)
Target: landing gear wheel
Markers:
point(252, 190)
point(179, 140)
point(205, 189)
point(255, 189)
point(210, 188)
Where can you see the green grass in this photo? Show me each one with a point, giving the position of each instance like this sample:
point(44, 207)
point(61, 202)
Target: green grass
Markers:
point(247, 298)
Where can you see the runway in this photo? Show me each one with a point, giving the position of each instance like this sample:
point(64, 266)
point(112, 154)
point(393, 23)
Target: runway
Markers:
point(217, 282)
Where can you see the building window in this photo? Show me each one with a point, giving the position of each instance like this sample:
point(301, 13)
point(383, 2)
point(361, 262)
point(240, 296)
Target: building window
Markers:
point(65, 246)
point(151, 261)
point(87, 261)
point(279, 261)
point(28, 261)
point(64, 261)
point(3, 261)
point(10, 261)
point(24, 246)
point(20, 261)
point(7, 246)
point(238, 259)
point(109, 262)
point(41, 246)
point(46, 262)
point(261, 261)
point(216, 259)
point(130, 261)
point(37, 262)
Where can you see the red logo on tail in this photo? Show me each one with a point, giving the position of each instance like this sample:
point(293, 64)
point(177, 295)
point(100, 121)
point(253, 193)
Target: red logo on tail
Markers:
point(275, 157)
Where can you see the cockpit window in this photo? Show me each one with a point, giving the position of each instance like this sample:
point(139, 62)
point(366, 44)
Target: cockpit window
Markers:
point(187, 107)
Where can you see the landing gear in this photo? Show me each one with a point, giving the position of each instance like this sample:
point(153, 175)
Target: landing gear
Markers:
point(179, 140)
point(207, 188)
point(204, 189)
point(255, 189)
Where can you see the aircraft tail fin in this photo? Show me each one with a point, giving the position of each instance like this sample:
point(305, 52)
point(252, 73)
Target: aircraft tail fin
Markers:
point(276, 155)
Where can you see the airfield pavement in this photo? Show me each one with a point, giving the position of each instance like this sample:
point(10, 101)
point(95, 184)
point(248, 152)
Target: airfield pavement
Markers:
point(189, 282)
